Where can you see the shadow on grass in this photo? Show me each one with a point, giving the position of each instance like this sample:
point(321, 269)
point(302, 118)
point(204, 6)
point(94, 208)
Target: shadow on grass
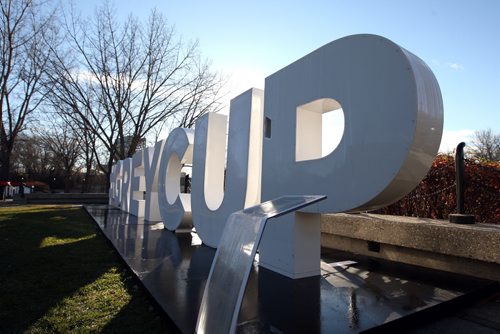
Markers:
point(58, 274)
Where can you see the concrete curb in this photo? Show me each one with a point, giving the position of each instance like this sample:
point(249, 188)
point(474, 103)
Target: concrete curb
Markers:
point(466, 249)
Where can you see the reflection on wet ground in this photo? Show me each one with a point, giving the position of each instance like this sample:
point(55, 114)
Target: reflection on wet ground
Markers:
point(350, 296)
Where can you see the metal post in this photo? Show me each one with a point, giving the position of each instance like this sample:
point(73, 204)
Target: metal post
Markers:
point(459, 177)
point(460, 217)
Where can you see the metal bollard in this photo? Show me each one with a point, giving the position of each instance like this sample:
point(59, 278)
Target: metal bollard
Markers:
point(460, 217)
point(459, 177)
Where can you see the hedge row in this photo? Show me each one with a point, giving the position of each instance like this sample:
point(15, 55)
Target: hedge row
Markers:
point(435, 196)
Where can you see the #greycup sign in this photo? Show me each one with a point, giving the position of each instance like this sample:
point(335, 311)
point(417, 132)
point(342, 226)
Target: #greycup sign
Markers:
point(393, 119)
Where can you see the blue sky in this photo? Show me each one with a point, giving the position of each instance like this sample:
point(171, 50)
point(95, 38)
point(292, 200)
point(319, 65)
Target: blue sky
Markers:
point(249, 40)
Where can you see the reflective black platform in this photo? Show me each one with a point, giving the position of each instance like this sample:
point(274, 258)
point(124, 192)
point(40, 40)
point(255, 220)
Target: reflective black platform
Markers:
point(352, 294)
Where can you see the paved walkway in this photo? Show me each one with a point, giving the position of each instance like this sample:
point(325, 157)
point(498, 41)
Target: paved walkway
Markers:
point(482, 317)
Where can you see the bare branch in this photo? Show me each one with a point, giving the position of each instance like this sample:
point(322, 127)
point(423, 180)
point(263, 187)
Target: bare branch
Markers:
point(486, 145)
point(122, 81)
point(24, 27)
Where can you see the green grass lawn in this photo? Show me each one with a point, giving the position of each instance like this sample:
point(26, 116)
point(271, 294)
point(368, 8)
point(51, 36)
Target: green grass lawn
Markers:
point(58, 274)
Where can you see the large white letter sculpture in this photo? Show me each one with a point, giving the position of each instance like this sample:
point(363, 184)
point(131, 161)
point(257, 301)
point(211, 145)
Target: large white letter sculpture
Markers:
point(175, 208)
point(152, 156)
point(218, 192)
point(393, 125)
point(115, 184)
point(138, 185)
point(125, 185)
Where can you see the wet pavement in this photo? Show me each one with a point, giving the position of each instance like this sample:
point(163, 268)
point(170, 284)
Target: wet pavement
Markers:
point(352, 294)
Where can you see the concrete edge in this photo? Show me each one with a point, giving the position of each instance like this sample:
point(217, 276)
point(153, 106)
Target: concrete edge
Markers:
point(465, 249)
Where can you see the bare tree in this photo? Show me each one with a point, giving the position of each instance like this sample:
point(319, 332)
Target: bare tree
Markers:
point(206, 84)
point(32, 158)
point(24, 27)
point(66, 149)
point(123, 81)
point(80, 134)
point(486, 145)
point(87, 143)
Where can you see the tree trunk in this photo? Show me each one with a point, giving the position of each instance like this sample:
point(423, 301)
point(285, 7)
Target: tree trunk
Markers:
point(108, 176)
point(4, 170)
point(67, 183)
point(86, 181)
point(5, 166)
